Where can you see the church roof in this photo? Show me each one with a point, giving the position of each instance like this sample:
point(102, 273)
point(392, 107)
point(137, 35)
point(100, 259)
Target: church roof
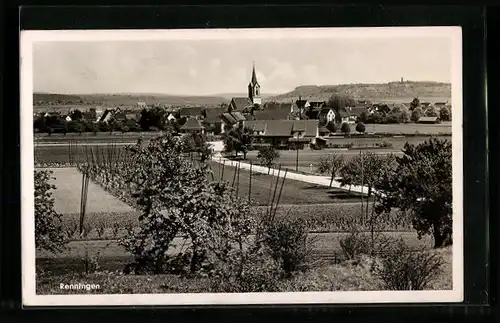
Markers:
point(240, 103)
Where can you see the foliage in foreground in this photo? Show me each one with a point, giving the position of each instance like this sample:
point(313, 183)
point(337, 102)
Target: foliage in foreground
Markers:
point(407, 269)
point(49, 232)
point(176, 198)
point(421, 184)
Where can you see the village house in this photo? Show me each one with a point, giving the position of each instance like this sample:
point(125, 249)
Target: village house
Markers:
point(192, 112)
point(171, 117)
point(231, 121)
point(357, 110)
point(239, 104)
point(106, 116)
point(192, 125)
point(213, 121)
point(276, 111)
point(142, 105)
point(343, 116)
point(314, 109)
point(326, 115)
point(284, 133)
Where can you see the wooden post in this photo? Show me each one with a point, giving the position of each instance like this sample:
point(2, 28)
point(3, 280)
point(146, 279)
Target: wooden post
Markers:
point(279, 194)
point(222, 173)
point(250, 183)
point(238, 180)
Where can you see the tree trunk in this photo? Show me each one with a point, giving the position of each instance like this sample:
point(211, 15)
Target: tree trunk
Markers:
point(439, 237)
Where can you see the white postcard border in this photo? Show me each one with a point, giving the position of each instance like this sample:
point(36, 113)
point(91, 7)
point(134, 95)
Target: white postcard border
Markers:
point(29, 296)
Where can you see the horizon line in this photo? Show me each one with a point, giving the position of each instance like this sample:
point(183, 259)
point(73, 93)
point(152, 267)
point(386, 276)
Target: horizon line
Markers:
point(230, 92)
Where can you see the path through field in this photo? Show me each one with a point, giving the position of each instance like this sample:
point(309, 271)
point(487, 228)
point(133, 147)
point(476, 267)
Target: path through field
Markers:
point(312, 179)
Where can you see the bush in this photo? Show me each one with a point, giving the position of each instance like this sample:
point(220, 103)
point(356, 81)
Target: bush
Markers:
point(287, 243)
point(49, 231)
point(355, 245)
point(384, 144)
point(255, 272)
point(345, 128)
point(407, 269)
point(360, 127)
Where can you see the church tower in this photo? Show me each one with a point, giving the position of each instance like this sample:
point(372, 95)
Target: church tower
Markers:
point(254, 89)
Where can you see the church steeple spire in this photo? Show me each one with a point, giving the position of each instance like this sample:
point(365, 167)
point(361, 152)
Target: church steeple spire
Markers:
point(254, 88)
point(254, 76)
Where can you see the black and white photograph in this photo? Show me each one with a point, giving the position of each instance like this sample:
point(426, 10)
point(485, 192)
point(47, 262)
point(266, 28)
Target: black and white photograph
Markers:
point(242, 166)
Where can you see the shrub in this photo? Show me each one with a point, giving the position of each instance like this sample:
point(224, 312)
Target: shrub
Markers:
point(331, 126)
point(70, 227)
point(255, 272)
point(407, 269)
point(267, 155)
point(345, 128)
point(49, 232)
point(355, 245)
point(287, 243)
point(360, 127)
point(384, 144)
point(91, 262)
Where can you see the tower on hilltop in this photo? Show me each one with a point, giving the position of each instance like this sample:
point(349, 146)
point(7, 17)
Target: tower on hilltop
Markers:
point(254, 89)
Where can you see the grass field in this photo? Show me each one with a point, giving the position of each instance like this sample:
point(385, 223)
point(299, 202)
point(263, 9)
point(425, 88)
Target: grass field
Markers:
point(408, 128)
point(294, 192)
point(114, 257)
point(63, 152)
point(68, 182)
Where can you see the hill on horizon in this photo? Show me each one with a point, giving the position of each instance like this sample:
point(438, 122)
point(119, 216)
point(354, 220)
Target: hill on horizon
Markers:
point(393, 91)
point(379, 91)
point(124, 99)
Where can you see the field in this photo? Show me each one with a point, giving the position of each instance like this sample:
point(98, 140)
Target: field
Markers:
point(408, 128)
point(68, 182)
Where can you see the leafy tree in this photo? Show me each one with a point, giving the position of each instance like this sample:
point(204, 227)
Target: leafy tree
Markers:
point(197, 143)
point(76, 115)
point(267, 155)
point(360, 127)
point(445, 114)
point(49, 233)
point(177, 198)
point(421, 184)
point(367, 170)
point(131, 124)
point(331, 126)
point(431, 111)
point(345, 128)
point(330, 164)
point(363, 117)
point(103, 126)
point(339, 102)
point(239, 140)
point(39, 124)
point(91, 127)
point(399, 114)
point(75, 126)
point(416, 114)
point(414, 104)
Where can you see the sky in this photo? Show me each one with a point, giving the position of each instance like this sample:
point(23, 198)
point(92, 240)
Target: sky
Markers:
point(204, 67)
